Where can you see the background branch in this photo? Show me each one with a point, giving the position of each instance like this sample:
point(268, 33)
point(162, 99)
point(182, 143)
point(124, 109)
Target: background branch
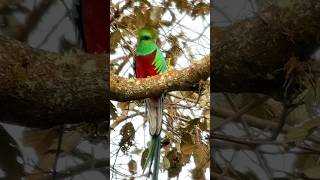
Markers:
point(249, 56)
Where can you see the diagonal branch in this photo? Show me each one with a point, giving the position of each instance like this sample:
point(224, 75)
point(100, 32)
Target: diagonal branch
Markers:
point(123, 89)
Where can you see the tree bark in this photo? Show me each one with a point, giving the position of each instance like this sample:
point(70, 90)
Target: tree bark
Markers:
point(124, 89)
point(43, 89)
point(249, 56)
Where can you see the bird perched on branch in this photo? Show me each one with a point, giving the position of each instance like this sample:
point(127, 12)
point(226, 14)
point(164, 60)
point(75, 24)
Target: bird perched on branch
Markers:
point(149, 61)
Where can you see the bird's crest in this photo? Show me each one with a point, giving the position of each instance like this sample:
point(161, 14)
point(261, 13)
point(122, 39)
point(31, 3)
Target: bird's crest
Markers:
point(147, 33)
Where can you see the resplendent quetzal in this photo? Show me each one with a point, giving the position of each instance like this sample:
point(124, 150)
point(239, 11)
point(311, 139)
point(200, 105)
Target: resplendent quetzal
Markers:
point(149, 61)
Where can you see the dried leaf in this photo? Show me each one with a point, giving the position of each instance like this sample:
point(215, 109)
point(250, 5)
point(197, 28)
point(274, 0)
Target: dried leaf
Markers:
point(139, 19)
point(155, 16)
point(114, 40)
point(313, 173)
point(175, 163)
point(166, 163)
point(187, 149)
point(298, 134)
point(201, 156)
point(136, 151)
point(45, 143)
point(132, 165)
point(144, 157)
point(128, 134)
point(113, 111)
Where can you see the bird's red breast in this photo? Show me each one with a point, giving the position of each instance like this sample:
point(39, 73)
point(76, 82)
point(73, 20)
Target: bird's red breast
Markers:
point(94, 19)
point(144, 66)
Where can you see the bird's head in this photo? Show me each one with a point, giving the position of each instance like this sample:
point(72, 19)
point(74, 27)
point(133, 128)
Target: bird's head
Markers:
point(147, 34)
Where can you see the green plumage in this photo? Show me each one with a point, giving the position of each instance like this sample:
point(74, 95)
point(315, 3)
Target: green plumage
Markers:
point(148, 44)
point(154, 152)
point(149, 62)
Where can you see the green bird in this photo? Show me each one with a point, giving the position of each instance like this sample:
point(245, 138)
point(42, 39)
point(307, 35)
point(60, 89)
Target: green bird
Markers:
point(149, 61)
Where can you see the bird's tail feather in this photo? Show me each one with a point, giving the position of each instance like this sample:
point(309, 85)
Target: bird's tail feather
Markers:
point(154, 108)
point(153, 157)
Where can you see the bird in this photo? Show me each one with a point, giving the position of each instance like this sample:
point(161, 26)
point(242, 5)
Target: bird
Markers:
point(149, 61)
point(90, 21)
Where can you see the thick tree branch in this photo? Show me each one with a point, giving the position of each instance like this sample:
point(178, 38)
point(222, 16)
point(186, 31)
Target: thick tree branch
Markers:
point(42, 89)
point(124, 89)
point(249, 56)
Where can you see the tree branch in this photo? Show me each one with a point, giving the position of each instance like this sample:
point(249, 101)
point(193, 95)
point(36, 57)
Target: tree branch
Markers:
point(249, 56)
point(124, 89)
point(43, 89)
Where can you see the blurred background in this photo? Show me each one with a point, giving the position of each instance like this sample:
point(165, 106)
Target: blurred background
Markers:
point(31, 153)
point(243, 123)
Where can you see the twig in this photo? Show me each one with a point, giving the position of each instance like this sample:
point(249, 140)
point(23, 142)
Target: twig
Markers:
point(33, 19)
point(54, 171)
point(242, 111)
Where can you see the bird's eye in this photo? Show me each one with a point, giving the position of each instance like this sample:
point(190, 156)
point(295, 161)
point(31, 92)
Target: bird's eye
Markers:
point(145, 38)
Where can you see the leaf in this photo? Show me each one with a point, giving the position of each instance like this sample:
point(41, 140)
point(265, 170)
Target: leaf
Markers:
point(201, 156)
point(113, 111)
point(187, 149)
point(139, 19)
point(313, 172)
point(298, 134)
point(114, 39)
point(166, 163)
point(136, 151)
point(132, 165)
point(45, 143)
point(144, 157)
point(10, 153)
point(187, 138)
point(155, 16)
point(312, 100)
point(128, 134)
point(174, 158)
point(185, 159)
point(198, 173)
